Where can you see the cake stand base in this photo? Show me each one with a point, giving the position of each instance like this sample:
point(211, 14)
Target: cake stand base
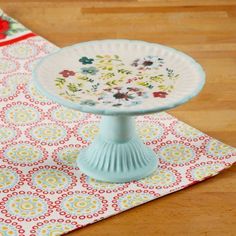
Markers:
point(117, 154)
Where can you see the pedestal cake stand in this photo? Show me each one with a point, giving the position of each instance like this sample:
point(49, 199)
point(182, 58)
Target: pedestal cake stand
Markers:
point(118, 79)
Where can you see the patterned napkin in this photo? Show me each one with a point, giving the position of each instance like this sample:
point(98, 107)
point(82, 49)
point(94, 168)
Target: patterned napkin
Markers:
point(42, 192)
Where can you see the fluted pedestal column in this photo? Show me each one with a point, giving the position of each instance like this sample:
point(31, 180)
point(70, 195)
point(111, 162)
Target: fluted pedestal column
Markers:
point(117, 154)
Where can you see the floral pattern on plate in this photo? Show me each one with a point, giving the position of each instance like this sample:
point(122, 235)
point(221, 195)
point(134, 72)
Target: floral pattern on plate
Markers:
point(108, 79)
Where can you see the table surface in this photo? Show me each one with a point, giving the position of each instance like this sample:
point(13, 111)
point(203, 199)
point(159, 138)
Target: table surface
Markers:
point(206, 30)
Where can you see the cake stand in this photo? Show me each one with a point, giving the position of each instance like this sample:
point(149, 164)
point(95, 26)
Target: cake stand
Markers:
point(118, 79)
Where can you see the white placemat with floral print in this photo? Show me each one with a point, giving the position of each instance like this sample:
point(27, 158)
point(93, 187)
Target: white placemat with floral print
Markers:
point(42, 192)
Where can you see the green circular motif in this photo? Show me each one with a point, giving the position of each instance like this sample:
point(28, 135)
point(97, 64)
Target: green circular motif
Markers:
point(187, 131)
point(160, 178)
point(51, 180)
point(7, 230)
point(6, 134)
point(22, 50)
point(22, 115)
point(48, 132)
point(7, 65)
point(66, 115)
point(26, 206)
point(130, 200)
point(149, 131)
point(23, 153)
point(202, 172)
point(101, 185)
point(68, 156)
point(35, 94)
point(218, 149)
point(81, 204)
point(6, 91)
point(19, 78)
point(54, 229)
point(177, 153)
point(88, 131)
point(8, 178)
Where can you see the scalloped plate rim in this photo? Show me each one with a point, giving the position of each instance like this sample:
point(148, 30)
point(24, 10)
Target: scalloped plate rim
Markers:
point(94, 110)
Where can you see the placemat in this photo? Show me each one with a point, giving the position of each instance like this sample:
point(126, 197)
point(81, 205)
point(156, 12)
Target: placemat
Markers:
point(42, 192)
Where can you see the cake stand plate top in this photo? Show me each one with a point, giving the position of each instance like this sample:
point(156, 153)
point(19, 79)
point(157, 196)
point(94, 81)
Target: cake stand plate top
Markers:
point(119, 77)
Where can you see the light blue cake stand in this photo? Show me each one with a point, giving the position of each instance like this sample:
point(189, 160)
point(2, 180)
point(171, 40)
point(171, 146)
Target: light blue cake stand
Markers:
point(118, 79)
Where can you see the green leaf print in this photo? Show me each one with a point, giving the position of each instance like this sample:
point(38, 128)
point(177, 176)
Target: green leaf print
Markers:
point(60, 82)
point(124, 71)
point(145, 84)
point(158, 78)
point(106, 76)
point(81, 77)
point(111, 83)
point(166, 88)
point(72, 87)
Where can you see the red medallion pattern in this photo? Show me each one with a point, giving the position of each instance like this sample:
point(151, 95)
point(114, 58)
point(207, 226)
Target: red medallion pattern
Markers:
point(53, 227)
point(101, 187)
point(128, 199)
point(9, 227)
point(11, 178)
point(177, 153)
point(81, 205)
point(26, 206)
point(66, 156)
point(163, 178)
point(51, 180)
point(51, 134)
point(23, 154)
point(21, 113)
